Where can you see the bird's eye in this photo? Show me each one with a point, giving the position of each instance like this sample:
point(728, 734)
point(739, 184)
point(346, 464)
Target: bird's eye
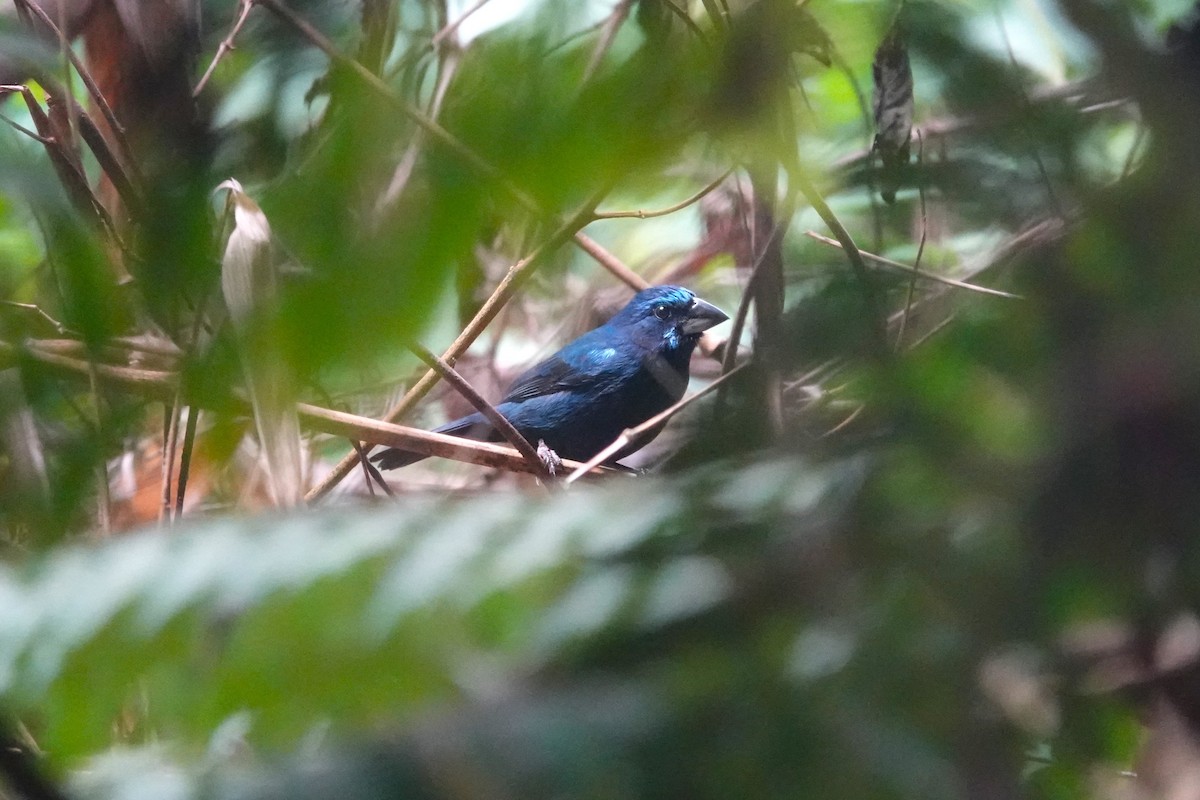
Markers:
point(662, 312)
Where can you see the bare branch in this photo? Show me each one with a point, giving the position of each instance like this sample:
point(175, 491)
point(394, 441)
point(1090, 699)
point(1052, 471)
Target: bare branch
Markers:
point(498, 420)
point(662, 212)
point(929, 276)
point(226, 45)
point(160, 385)
point(631, 435)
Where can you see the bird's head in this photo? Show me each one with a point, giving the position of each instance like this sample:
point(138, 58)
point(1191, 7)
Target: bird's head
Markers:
point(668, 318)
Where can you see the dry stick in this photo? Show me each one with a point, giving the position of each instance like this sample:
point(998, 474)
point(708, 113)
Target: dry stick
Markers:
point(408, 162)
point(425, 443)
point(906, 269)
point(66, 166)
point(91, 135)
point(1027, 108)
point(498, 420)
point(611, 262)
point(371, 476)
point(871, 302)
point(743, 309)
point(516, 276)
point(104, 496)
point(912, 281)
point(93, 90)
point(162, 386)
point(453, 26)
point(1138, 138)
point(408, 109)
point(107, 159)
point(19, 128)
point(630, 435)
point(226, 45)
point(609, 32)
point(67, 53)
point(686, 19)
point(37, 311)
point(662, 212)
point(170, 442)
point(185, 458)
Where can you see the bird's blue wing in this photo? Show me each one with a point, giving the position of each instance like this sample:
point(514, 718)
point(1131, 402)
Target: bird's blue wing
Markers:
point(583, 364)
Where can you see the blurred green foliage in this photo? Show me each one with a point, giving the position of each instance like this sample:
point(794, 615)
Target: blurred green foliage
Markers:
point(881, 597)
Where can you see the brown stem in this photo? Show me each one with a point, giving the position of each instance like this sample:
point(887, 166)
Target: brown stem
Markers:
point(226, 44)
point(498, 420)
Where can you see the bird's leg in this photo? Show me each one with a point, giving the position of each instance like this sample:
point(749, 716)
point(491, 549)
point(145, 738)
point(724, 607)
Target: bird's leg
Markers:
point(549, 458)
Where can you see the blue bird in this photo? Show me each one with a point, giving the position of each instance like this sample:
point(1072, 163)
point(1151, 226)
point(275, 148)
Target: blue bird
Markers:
point(616, 376)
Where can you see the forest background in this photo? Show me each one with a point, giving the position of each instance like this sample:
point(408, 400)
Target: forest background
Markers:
point(929, 532)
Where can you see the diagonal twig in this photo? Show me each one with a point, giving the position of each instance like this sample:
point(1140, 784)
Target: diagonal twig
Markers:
point(929, 276)
point(226, 44)
point(631, 435)
point(912, 280)
point(498, 420)
point(607, 33)
point(118, 129)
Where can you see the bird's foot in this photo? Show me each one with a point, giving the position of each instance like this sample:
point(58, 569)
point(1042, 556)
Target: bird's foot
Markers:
point(549, 458)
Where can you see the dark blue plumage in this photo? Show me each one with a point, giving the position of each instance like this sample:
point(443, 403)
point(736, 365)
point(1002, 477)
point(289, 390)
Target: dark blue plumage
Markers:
point(611, 378)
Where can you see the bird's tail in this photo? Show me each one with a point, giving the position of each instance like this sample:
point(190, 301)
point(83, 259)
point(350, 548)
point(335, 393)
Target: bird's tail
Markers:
point(472, 426)
point(394, 458)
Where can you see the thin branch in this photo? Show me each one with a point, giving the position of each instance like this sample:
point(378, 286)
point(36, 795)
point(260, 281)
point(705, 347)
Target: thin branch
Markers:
point(1130, 158)
point(743, 309)
point(607, 34)
point(105, 157)
point(453, 26)
point(871, 304)
point(185, 458)
point(64, 160)
point(686, 19)
point(498, 420)
point(162, 386)
point(929, 276)
point(37, 137)
point(611, 262)
point(631, 435)
point(1027, 107)
point(226, 45)
point(117, 128)
point(662, 212)
point(404, 169)
point(170, 442)
point(912, 280)
point(371, 475)
point(37, 311)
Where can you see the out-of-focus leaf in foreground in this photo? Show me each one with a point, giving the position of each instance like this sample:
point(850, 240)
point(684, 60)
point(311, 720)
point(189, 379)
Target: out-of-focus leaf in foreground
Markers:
point(354, 617)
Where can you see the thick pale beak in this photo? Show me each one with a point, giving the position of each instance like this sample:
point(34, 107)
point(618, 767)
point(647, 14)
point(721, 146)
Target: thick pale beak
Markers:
point(702, 316)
